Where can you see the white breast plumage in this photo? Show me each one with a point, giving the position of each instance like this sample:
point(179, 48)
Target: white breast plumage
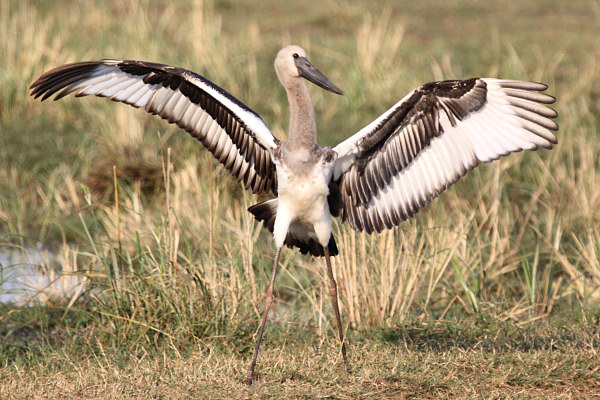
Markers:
point(304, 196)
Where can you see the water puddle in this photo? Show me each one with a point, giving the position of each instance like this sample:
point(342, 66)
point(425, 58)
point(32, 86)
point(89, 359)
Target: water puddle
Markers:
point(31, 274)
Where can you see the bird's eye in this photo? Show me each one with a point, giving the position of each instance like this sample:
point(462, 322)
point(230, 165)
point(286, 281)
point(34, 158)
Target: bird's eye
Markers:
point(295, 55)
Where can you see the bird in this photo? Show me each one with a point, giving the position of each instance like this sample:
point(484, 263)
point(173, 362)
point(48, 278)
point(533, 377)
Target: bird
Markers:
point(376, 178)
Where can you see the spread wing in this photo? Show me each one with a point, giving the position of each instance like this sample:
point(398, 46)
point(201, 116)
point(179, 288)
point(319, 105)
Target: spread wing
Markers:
point(396, 165)
point(235, 135)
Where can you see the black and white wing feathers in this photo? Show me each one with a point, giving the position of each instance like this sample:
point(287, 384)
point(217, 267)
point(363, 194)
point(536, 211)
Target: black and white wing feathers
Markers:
point(397, 164)
point(235, 135)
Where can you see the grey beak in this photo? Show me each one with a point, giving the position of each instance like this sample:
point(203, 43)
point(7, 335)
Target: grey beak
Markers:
point(311, 73)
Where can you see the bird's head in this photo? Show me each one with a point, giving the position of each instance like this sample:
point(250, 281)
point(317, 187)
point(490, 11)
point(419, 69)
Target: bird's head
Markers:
point(291, 62)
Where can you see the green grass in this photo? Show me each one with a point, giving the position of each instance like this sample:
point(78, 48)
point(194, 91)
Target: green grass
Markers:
point(478, 358)
point(492, 291)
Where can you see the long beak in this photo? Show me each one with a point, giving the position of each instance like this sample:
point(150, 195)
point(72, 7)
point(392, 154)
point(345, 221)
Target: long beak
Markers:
point(311, 73)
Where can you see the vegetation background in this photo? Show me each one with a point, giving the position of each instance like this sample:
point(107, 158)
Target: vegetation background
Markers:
point(159, 272)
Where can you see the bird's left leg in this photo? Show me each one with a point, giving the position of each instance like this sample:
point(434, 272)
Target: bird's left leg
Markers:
point(336, 309)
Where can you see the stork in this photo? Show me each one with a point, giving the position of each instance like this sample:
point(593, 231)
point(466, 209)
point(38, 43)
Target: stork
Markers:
point(375, 179)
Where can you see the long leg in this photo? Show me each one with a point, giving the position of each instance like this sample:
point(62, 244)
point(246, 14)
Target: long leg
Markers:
point(268, 302)
point(334, 298)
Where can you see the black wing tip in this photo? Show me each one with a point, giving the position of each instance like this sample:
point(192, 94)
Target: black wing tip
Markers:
point(57, 78)
point(37, 87)
point(41, 91)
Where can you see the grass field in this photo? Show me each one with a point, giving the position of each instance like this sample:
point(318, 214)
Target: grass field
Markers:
point(493, 291)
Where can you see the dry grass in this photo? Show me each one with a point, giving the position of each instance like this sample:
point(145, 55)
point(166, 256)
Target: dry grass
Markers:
point(181, 261)
point(425, 361)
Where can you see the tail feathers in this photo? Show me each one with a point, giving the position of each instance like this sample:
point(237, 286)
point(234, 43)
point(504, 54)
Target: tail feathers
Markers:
point(267, 211)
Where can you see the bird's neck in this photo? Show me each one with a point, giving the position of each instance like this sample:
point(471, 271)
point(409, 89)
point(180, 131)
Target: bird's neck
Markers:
point(303, 129)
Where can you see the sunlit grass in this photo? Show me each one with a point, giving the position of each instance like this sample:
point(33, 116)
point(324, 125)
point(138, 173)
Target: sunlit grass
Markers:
point(181, 262)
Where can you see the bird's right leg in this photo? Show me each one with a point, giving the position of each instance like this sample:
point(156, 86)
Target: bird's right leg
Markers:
point(268, 302)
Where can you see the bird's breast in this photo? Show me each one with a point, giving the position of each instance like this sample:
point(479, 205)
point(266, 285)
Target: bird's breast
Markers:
point(303, 191)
